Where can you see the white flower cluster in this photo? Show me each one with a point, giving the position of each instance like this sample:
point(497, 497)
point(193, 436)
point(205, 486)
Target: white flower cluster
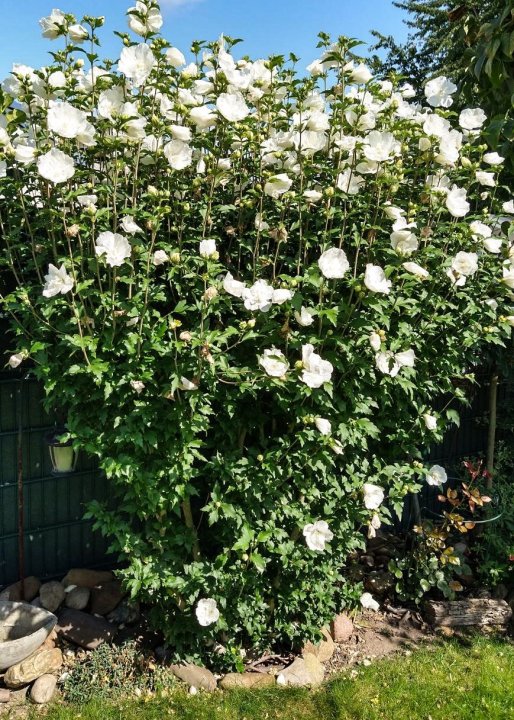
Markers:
point(327, 207)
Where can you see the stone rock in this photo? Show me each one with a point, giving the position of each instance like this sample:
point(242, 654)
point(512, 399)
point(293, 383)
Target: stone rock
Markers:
point(303, 672)
point(469, 581)
point(500, 592)
point(49, 643)
point(195, 676)
point(87, 578)
point(5, 695)
point(19, 697)
point(78, 598)
point(51, 595)
point(43, 689)
point(446, 631)
point(14, 592)
point(106, 597)
point(246, 680)
point(368, 560)
point(342, 628)
point(162, 653)
point(83, 629)
point(37, 603)
point(379, 582)
point(127, 613)
point(39, 663)
point(324, 649)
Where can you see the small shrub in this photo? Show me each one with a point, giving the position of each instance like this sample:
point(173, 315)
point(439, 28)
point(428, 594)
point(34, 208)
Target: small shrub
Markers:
point(494, 548)
point(115, 672)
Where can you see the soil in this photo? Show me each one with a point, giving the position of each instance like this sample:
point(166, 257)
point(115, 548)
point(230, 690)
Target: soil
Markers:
point(378, 634)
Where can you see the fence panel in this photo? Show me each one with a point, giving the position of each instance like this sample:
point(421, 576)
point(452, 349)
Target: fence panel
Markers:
point(56, 537)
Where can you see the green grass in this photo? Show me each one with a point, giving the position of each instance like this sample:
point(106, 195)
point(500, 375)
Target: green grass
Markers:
point(444, 682)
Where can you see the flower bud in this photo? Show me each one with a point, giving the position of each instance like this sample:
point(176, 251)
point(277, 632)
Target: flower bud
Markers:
point(72, 231)
point(329, 192)
point(210, 294)
point(175, 258)
point(185, 336)
point(16, 359)
point(174, 323)
point(251, 323)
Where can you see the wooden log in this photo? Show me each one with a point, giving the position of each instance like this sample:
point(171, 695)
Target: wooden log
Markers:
point(5, 695)
point(468, 612)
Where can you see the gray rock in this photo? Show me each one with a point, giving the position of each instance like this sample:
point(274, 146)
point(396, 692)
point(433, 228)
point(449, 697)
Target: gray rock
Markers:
point(195, 676)
point(127, 613)
point(78, 598)
point(379, 582)
point(40, 663)
point(87, 578)
point(43, 689)
point(500, 592)
point(303, 672)
point(106, 597)
point(162, 653)
point(51, 595)
point(83, 629)
point(246, 680)
point(18, 592)
point(342, 628)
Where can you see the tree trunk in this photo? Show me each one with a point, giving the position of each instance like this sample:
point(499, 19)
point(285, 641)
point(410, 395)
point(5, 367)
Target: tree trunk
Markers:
point(468, 612)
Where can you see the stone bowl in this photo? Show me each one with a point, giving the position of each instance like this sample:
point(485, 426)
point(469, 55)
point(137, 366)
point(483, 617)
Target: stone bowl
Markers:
point(23, 629)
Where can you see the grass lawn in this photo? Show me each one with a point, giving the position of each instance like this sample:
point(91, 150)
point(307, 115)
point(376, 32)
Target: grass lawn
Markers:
point(445, 682)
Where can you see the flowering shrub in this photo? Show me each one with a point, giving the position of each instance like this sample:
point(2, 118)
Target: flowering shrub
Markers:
point(247, 288)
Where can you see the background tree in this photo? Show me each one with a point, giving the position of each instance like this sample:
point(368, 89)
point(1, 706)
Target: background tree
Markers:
point(471, 42)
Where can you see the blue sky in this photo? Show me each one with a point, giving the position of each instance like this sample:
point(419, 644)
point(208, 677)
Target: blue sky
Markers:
point(267, 26)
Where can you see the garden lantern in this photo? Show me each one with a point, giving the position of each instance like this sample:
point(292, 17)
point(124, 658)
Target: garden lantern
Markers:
point(62, 454)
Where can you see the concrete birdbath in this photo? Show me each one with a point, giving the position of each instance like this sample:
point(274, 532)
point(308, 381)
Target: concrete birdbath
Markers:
point(23, 628)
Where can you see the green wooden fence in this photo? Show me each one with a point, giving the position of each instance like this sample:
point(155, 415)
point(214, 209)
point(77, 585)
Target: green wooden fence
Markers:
point(55, 535)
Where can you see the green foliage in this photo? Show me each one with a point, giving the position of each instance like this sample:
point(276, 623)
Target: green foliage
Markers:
point(494, 547)
point(430, 563)
point(436, 558)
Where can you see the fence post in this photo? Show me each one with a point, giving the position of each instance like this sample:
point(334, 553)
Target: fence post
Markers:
point(491, 436)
